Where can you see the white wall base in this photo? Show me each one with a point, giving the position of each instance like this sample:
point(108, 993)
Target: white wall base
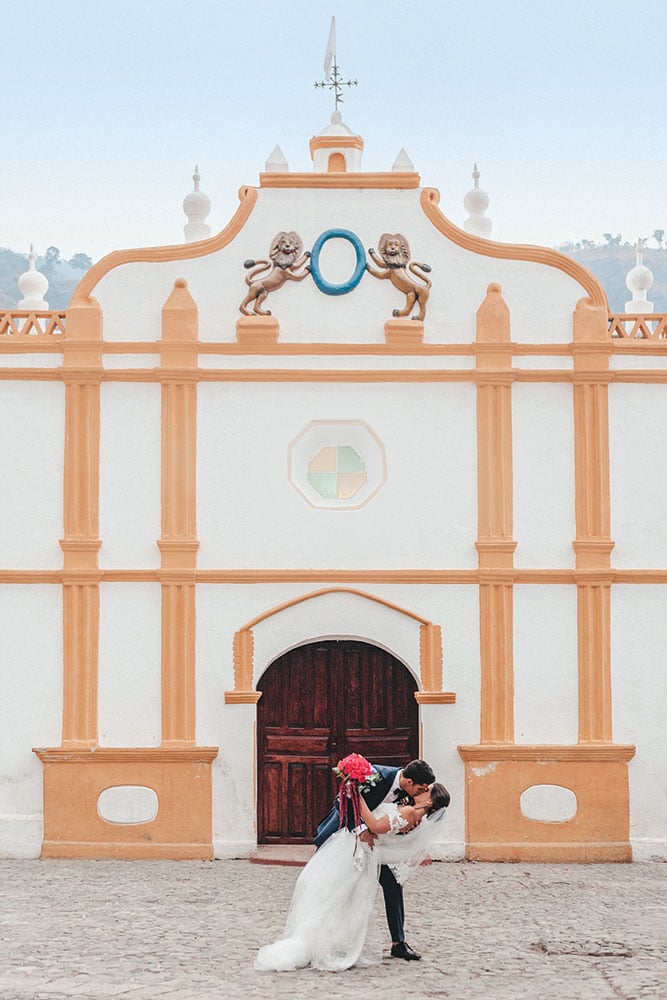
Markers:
point(21, 836)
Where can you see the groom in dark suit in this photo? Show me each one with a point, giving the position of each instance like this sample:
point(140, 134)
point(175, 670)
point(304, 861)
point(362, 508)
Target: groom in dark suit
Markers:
point(395, 785)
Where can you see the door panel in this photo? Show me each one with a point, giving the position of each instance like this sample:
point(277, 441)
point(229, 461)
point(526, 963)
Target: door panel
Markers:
point(320, 702)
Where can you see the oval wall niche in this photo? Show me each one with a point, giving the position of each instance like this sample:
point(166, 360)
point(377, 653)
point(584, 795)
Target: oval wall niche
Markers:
point(128, 804)
point(549, 803)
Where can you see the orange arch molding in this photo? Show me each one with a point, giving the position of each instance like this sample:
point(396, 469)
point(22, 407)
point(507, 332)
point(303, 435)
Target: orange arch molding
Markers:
point(430, 198)
point(335, 590)
point(430, 651)
point(180, 251)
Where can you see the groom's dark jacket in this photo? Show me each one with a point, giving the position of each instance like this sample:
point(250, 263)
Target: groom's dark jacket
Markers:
point(373, 796)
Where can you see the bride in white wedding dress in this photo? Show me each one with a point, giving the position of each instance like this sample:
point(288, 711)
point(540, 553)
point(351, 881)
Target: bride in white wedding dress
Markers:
point(330, 918)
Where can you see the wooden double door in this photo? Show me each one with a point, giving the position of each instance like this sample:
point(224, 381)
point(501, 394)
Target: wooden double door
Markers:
point(320, 702)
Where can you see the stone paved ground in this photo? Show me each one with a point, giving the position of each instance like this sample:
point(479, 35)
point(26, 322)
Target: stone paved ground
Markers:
point(189, 931)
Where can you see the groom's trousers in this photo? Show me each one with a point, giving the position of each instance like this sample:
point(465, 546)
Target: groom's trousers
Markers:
point(393, 902)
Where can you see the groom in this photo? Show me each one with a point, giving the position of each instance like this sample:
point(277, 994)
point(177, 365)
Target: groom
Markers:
point(395, 785)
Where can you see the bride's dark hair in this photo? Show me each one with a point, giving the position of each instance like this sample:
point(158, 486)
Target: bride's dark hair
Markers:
point(440, 798)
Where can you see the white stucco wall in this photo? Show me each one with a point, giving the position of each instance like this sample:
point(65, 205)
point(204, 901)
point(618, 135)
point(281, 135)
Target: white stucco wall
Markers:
point(639, 657)
point(638, 477)
point(543, 466)
point(250, 516)
point(545, 664)
point(30, 708)
point(130, 441)
point(133, 294)
point(129, 665)
point(32, 417)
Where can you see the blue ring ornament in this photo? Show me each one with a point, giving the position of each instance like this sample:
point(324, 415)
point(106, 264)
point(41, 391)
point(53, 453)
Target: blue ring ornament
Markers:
point(346, 286)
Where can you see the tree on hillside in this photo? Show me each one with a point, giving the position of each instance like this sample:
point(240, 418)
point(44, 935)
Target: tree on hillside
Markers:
point(80, 262)
point(612, 241)
point(659, 236)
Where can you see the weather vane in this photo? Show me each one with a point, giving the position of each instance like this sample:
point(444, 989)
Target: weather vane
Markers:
point(333, 80)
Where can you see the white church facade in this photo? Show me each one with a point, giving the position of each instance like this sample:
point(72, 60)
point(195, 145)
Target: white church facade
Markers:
point(342, 477)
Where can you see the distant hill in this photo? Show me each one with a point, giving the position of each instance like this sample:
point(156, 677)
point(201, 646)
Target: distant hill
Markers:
point(609, 263)
point(63, 276)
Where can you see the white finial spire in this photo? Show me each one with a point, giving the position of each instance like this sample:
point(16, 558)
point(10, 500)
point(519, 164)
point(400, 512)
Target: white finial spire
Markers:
point(403, 162)
point(34, 286)
point(196, 206)
point(639, 279)
point(476, 203)
point(276, 163)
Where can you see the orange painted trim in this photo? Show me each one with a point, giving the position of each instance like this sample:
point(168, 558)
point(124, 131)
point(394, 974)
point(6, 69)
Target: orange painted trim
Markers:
point(435, 697)
point(335, 142)
point(648, 327)
point(73, 782)
point(184, 251)
point(495, 545)
point(32, 326)
point(488, 752)
point(178, 543)
point(253, 576)
point(126, 755)
point(430, 198)
point(244, 652)
point(430, 657)
point(353, 376)
point(257, 333)
point(404, 333)
point(334, 590)
point(496, 828)
point(126, 851)
point(430, 651)
point(394, 180)
point(242, 697)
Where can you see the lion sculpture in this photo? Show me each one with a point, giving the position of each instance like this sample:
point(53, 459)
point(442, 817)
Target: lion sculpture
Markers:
point(286, 257)
point(394, 261)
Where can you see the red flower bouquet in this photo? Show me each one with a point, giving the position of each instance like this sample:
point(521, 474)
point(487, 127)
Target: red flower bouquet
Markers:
point(354, 771)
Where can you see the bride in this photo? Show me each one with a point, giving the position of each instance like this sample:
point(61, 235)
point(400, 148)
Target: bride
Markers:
point(332, 907)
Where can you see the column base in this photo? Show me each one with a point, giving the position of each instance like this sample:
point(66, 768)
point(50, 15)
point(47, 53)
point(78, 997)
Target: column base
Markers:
point(257, 331)
point(180, 777)
point(404, 332)
point(497, 829)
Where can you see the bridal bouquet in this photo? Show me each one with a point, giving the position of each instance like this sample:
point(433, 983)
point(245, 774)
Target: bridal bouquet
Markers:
point(354, 772)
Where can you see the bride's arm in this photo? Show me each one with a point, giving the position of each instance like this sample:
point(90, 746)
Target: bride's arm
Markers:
point(382, 824)
point(374, 824)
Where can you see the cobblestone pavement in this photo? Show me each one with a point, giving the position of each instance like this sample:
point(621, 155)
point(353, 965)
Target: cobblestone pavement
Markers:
point(189, 931)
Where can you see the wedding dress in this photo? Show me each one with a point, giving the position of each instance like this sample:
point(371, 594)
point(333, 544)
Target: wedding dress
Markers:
point(330, 920)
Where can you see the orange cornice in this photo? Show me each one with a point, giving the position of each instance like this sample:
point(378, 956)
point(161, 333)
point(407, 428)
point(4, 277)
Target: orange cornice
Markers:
point(181, 251)
point(543, 752)
point(430, 198)
point(335, 590)
point(336, 142)
point(393, 179)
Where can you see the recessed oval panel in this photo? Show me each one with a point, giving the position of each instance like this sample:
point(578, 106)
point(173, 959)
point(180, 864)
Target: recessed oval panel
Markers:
point(549, 803)
point(128, 804)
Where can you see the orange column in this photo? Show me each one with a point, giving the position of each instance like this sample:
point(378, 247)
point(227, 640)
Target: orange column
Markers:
point(591, 349)
point(82, 370)
point(178, 543)
point(495, 545)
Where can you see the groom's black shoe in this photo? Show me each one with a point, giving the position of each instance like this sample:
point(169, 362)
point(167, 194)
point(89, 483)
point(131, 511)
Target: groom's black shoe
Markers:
point(403, 950)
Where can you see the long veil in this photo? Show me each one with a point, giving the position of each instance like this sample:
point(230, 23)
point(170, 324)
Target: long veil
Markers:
point(405, 853)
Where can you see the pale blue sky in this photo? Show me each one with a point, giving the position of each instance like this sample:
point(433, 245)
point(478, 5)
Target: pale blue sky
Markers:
point(108, 104)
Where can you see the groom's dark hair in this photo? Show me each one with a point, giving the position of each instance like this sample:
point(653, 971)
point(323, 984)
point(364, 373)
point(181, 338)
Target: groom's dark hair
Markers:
point(420, 772)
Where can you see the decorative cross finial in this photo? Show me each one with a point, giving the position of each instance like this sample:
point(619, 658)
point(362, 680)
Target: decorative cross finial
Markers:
point(334, 80)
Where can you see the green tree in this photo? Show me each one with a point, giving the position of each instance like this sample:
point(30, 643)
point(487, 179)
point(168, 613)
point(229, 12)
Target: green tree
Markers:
point(80, 262)
point(659, 236)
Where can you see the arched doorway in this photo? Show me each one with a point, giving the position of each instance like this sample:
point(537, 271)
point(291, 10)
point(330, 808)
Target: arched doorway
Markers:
point(319, 702)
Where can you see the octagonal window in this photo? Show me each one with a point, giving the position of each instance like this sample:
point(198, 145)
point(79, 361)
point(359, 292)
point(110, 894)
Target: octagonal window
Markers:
point(337, 464)
point(337, 473)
